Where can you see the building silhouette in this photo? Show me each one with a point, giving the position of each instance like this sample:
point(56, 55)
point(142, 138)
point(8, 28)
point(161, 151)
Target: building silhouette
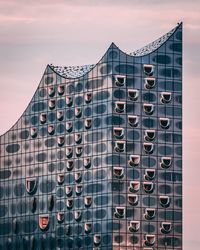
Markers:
point(95, 161)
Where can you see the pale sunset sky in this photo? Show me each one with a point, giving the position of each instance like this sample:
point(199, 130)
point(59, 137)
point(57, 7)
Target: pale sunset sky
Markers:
point(76, 32)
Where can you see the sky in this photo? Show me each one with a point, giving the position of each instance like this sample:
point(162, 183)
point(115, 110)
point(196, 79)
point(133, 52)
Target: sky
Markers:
point(76, 32)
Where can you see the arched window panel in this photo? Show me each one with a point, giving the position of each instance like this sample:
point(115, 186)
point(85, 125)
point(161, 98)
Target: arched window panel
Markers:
point(148, 147)
point(68, 191)
point(118, 172)
point(88, 123)
point(133, 94)
point(52, 104)
point(164, 123)
point(134, 226)
point(79, 189)
point(77, 215)
point(51, 203)
point(34, 132)
point(134, 160)
point(97, 239)
point(148, 69)
point(60, 217)
point(120, 80)
point(69, 152)
point(61, 89)
point(33, 204)
point(44, 221)
point(60, 179)
point(69, 127)
point(133, 121)
point(61, 141)
point(149, 83)
point(78, 177)
point(88, 227)
point(51, 91)
point(166, 227)
point(148, 108)
point(88, 201)
point(78, 112)
point(133, 199)
point(88, 97)
point(149, 135)
point(79, 151)
point(43, 118)
point(165, 97)
point(51, 129)
point(60, 115)
point(149, 213)
point(69, 203)
point(119, 212)
point(118, 132)
point(166, 162)
point(78, 138)
point(149, 239)
point(120, 107)
point(164, 201)
point(120, 146)
point(134, 186)
point(69, 101)
point(70, 165)
point(148, 187)
point(150, 174)
point(31, 185)
point(87, 163)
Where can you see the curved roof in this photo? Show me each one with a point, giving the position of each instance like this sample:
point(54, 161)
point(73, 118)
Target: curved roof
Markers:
point(78, 71)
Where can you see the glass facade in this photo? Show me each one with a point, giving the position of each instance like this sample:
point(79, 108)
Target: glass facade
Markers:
point(95, 161)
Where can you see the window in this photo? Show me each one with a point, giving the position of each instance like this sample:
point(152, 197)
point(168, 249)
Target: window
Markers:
point(149, 174)
point(60, 217)
point(79, 151)
point(133, 94)
point(120, 107)
point(134, 226)
point(148, 108)
point(166, 162)
point(148, 147)
point(118, 172)
point(51, 91)
point(134, 186)
point(69, 152)
point(133, 199)
point(43, 221)
point(69, 101)
point(77, 215)
point(164, 201)
point(119, 146)
point(87, 163)
point(61, 89)
point(33, 204)
point(120, 80)
point(133, 120)
point(119, 212)
point(149, 135)
point(88, 201)
point(97, 239)
point(88, 123)
point(61, 141)
point(88, 227)
point(164, 123)
point(149, 213)
point(70, 165)
point(78, 112)
point(149, 83)
point(166, 227)
point(31, 185)
point(134, 160)
point(165, 97)
point(43, 118)
point(78, 138)
point(51, 129)
point(60, 178)
point(52, 103)
point(69, 127)
point(33, 132)
point(149, 239)
point(60, 115)
point(148, 69)
point(118, 133)
point(79, 189)
point(148, 187)
point(78, 177)
point(69, 203)
point(88, 97)
point(68, 191)
point(50, 203)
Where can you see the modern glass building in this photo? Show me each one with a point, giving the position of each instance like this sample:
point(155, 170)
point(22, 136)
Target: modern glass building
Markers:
point(95, 161)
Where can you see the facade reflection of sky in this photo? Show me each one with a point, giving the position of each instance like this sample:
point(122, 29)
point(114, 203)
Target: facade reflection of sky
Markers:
point(77, 32)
